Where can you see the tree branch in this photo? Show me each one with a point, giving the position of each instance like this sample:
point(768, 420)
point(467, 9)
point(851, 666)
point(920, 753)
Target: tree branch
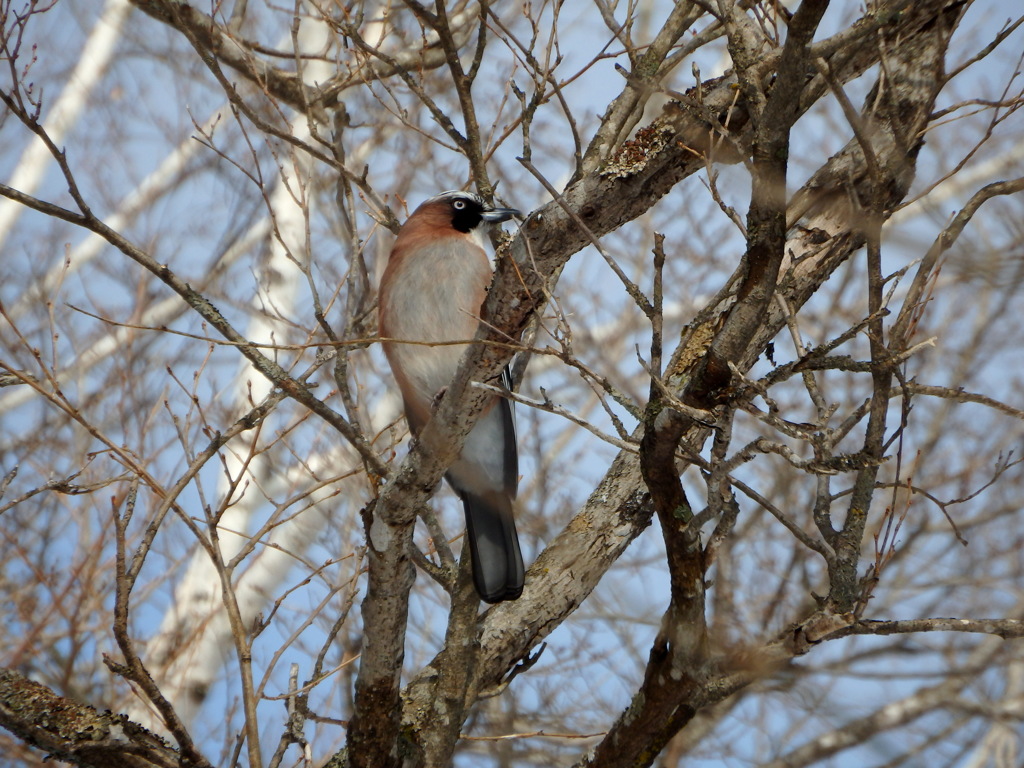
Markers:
point(77, 733)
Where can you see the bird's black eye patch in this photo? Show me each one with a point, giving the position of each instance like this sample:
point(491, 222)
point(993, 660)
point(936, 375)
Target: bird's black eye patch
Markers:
point(467, 213)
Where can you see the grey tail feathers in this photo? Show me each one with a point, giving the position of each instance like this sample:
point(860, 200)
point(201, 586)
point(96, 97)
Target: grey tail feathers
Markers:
point(498, 571)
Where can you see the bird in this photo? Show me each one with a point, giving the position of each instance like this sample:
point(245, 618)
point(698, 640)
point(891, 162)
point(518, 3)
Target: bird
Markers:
point(431, 293)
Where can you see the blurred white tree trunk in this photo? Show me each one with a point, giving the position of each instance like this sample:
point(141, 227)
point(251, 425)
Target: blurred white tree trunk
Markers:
point(163, 180)
point(192, 644)
point(92, 64)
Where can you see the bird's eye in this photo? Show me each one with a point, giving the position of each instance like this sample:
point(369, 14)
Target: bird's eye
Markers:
point(458, 205)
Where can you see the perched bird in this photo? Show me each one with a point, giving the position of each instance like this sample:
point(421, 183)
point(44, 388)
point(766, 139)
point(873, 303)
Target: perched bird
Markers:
point(431, 293)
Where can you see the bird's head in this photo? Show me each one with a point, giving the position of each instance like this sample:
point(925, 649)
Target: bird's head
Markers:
point(462, 211)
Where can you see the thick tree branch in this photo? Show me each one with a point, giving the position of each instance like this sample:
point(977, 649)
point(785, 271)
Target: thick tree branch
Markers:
point(77, 733)
point(625, 110)
point(217, 41)
point(1004, 628)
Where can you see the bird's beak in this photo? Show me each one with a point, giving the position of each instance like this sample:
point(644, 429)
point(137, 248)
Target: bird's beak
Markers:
point(495, 215)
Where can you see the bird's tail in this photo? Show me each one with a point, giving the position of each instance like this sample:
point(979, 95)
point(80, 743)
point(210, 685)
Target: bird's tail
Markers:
point(498, 571)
